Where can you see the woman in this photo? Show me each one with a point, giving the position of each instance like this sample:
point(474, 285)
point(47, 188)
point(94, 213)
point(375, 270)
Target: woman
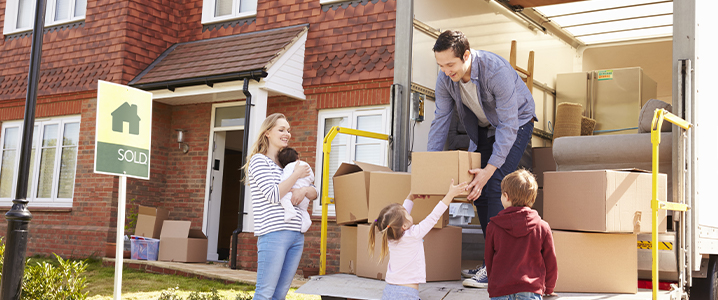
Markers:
point(279, 243)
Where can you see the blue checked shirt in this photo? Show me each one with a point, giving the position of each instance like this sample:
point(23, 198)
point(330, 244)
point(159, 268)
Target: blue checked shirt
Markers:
point(502, 95)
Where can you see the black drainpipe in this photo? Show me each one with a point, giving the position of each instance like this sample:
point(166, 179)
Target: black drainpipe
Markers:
point(245, 145)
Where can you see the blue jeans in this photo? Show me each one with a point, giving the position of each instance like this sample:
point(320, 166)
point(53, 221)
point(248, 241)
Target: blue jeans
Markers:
point(519, 296)
point(489, 202)
point(278, 255)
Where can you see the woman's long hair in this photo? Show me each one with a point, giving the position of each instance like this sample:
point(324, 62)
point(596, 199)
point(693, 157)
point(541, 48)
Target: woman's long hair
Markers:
point(389, 223)
point(261, 145)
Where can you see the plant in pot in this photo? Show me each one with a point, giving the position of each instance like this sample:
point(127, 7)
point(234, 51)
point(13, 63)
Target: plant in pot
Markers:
point(130, 223)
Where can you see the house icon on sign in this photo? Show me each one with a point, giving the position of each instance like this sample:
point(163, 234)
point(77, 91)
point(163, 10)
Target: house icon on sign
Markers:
point(126, 113)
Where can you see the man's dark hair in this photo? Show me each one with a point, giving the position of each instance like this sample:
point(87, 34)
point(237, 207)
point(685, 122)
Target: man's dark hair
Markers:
point(454, 40)
point(286, 156)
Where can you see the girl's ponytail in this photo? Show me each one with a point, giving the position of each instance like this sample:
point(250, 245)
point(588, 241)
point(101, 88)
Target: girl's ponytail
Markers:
point(389, 223)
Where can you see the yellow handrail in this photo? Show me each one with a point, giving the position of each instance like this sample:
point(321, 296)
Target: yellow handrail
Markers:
point(326, 148)
point(658, 117)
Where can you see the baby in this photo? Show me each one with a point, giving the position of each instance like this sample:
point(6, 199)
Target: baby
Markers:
point(288, 158)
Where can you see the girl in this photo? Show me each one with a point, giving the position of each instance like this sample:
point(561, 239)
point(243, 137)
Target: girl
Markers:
point(404, 240)
point(279, 243)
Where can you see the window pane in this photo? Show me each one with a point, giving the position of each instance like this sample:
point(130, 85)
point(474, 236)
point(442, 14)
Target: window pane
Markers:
point(47, 166)
point(80, 7)
point(62, 10)
point(339, 147)
point(331, 122)
point(67, 172)
point(370, 153)
point(6, 173)
point(371, 123)
point(71, 134)
point(222, 8)
point(49, 137)
point(229, 116)
point(25, 13)
point(47, 161)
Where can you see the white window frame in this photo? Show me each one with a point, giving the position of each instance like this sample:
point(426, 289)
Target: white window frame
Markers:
point(208, 9)
point(352, 114)
point(53, 201)
point(11, 11)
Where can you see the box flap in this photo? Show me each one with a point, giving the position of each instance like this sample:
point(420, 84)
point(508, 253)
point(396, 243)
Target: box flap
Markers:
point(636, 170)
point(175, 229)
point(196, 234)
point(371, 167)
point(147, 210)
point(346, 168)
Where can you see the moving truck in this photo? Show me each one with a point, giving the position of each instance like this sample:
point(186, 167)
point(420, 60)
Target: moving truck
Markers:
point(671, 41)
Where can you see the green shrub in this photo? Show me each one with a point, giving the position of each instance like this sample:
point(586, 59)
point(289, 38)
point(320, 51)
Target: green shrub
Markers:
point(243, 296)
point(170, 294)
point(46, 281)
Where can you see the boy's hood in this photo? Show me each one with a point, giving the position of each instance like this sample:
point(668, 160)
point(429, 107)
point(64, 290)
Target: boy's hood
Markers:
point(517, 221)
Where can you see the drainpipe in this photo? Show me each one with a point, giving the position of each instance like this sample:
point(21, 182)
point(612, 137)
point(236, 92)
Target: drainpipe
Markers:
point(245, 145)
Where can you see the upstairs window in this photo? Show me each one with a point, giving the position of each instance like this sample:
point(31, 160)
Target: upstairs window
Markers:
point(214, 11)
point(20, 14)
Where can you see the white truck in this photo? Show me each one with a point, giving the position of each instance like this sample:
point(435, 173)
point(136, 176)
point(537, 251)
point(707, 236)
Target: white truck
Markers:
point(685, 78)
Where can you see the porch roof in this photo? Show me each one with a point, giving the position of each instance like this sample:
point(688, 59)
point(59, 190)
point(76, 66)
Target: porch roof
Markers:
point(219, 59)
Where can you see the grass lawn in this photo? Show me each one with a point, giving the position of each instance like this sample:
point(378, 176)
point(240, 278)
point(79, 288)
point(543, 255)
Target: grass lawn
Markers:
point(146, 286)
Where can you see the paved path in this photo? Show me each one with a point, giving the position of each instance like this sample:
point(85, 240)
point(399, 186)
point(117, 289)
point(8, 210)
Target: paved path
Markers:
point(214, 271)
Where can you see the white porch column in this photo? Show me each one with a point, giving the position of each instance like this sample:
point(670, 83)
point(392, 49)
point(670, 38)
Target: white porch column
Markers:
point(258, 114)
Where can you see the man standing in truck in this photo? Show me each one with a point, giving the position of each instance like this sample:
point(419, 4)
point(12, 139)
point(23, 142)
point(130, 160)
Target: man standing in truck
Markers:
point(498, 112)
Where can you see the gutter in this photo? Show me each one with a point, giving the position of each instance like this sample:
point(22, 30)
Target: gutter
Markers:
point(205, 80)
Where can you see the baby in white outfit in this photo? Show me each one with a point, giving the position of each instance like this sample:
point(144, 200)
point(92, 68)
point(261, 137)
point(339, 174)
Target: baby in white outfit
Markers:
point(288, 159)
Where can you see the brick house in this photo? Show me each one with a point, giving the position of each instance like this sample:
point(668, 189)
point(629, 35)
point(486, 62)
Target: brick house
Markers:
point(320, 62)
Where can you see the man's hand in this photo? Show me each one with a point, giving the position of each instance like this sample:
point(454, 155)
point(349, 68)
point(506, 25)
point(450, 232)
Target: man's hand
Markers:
point(481, 177)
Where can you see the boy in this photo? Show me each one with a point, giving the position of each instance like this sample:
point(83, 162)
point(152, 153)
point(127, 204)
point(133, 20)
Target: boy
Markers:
point(520, 256)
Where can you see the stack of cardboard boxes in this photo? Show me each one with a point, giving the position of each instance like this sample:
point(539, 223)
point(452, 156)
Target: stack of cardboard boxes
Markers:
point(157, 238)
point(595, 216)
point(362, 190)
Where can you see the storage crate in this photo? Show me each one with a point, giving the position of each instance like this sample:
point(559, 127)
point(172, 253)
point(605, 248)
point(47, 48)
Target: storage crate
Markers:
point(144, 248)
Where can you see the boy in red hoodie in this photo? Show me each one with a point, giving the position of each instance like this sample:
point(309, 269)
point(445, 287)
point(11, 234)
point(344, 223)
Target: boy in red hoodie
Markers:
point(520, 256)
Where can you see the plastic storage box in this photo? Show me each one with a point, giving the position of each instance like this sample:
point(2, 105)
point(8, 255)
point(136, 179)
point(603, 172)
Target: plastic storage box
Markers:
point(144, 248)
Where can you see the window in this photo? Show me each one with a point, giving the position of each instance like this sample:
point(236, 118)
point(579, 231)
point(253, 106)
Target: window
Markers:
point(225, 10)
point(346, 148)
point(53, 159)
point(20, 14)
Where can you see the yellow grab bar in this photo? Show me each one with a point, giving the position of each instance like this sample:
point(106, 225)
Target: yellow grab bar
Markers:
point(326, 148)
point(658, 117)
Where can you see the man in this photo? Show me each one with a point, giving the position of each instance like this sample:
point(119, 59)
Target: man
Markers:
point(498, 112)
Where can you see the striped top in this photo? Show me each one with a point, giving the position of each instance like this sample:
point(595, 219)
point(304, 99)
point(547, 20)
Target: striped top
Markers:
point(264, 179)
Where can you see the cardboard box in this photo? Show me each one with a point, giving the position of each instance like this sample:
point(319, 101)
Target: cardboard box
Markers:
point(542, 162)
point(351, 191)
point(601, 201)
point(423, 207)
point(150, 220)
point(348, 250)
point(442, 250)
point(386, 188)
point(180, 243)
point(432, 171)
point(538, 204)
point(596, 262)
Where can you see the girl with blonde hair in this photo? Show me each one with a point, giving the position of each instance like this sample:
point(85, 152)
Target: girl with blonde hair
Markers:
point(279, 243)
point(404, 241)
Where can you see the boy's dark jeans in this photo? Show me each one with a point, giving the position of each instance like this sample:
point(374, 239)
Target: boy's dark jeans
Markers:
point(489, 202)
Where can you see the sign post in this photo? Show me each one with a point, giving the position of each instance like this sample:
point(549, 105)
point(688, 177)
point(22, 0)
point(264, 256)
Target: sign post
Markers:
point(122, 147)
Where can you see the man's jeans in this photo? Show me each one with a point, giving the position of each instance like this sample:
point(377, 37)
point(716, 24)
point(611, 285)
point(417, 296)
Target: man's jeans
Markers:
point(489, 202)
point(278, 255)
point(519, 296)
